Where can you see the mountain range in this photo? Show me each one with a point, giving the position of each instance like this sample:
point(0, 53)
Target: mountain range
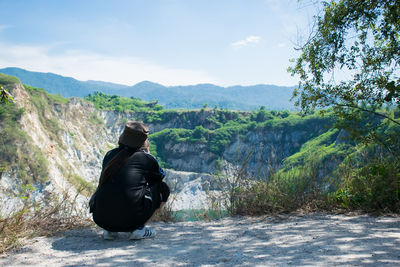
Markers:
point(238, 97)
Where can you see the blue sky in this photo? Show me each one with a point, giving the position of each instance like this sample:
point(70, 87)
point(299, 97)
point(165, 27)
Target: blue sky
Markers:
point(172, 42)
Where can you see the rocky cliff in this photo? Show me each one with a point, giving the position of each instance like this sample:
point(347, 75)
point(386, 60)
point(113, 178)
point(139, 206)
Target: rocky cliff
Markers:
point(74, 146)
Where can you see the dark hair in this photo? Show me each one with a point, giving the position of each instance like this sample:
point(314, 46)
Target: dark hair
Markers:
point(116, 163)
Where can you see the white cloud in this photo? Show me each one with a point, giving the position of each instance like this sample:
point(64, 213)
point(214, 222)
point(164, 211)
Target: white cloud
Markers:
point(83, 65)
point(247, 41)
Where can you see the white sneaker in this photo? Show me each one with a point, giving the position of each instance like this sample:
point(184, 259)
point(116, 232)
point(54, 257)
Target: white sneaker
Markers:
point(142, 233)
point(107, 235)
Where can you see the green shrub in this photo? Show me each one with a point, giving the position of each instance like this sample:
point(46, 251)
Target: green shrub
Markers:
point(375, 186)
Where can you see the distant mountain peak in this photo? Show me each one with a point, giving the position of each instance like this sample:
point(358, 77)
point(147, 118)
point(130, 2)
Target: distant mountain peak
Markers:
point(148, 83)
point(185, 96)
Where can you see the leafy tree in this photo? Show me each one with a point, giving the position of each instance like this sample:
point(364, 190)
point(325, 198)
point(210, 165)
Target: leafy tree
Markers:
point(120, 103)
point(361, 39)
point(199, 132)
point(262, 115)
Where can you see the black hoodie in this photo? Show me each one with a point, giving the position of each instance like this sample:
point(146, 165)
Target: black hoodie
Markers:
point(130, 197)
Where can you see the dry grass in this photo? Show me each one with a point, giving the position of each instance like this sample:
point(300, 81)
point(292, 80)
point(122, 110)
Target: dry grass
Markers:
point(164, 214)
point(242, 194)
point(48, 215)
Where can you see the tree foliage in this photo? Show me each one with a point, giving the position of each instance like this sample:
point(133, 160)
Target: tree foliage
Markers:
point(360, 40)
point(121, 103)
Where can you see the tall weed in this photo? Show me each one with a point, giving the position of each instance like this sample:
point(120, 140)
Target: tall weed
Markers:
point(228, 189)
point(46, 215)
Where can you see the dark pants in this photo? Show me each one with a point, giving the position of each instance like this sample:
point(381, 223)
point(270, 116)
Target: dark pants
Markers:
point(155, 194)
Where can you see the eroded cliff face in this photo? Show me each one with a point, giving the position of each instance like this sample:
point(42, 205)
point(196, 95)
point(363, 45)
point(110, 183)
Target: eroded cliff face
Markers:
point(266, 150)
point(70, 142)
point(74, 138)
point(258, 151)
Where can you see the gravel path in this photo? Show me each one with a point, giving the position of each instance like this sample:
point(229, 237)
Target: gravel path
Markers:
point(300, 240)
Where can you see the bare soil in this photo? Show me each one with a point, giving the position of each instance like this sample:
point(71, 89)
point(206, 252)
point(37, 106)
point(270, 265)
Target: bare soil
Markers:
point(287, 240)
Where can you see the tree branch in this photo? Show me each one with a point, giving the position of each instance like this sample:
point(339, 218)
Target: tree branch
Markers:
point(370, 111)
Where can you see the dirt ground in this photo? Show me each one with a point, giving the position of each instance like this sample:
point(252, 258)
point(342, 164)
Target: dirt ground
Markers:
point(289, 240)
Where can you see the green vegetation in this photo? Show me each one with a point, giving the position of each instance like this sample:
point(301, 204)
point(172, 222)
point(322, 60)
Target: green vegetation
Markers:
point(120, 103)
point(224, 126)
point(213, 127)
point(369, 180)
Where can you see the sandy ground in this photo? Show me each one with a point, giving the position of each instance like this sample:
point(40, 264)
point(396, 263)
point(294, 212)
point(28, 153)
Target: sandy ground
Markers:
point(300, 240)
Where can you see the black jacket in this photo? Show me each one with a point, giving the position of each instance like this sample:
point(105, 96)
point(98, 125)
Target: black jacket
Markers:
point(130, 197)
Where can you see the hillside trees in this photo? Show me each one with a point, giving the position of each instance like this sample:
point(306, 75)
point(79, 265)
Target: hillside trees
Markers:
point(351, 64)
